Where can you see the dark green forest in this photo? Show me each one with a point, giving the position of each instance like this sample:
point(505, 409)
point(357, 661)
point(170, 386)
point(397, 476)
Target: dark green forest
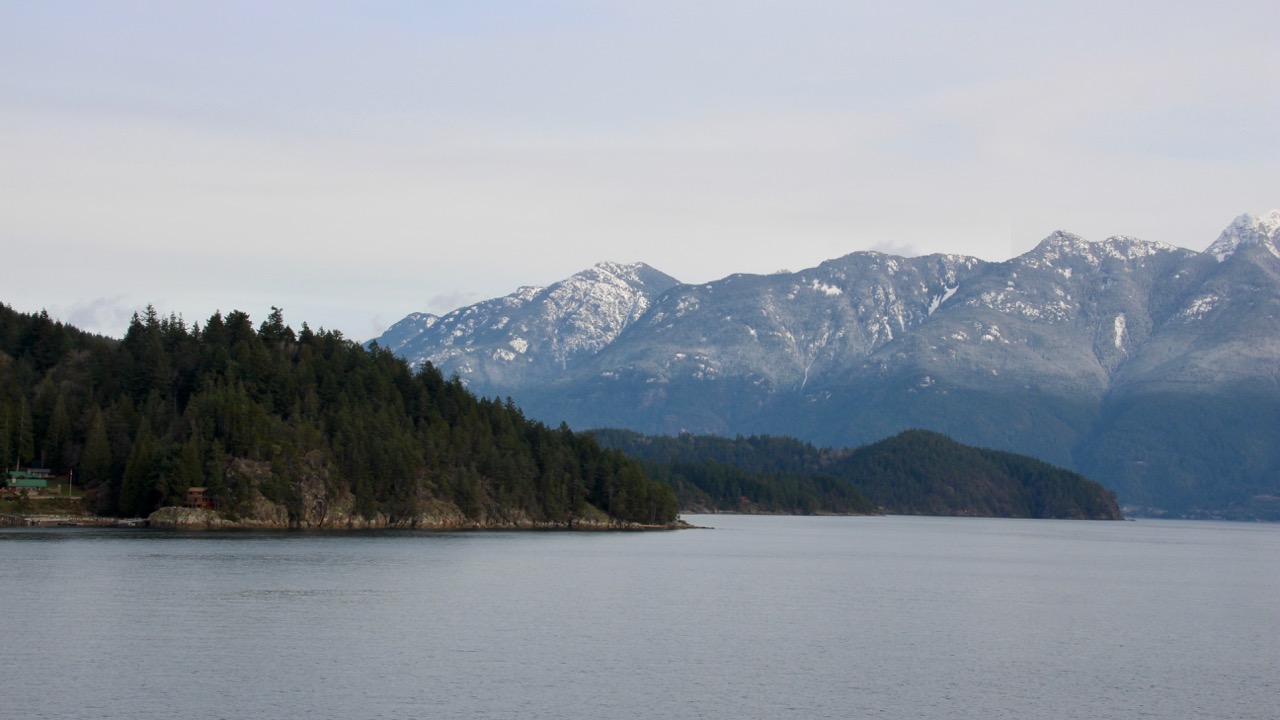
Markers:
point(767, 474)
point(912, 473)
point(309, 421)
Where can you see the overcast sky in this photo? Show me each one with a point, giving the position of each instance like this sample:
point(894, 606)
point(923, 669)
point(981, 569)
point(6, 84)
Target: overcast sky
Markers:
point(354, 162)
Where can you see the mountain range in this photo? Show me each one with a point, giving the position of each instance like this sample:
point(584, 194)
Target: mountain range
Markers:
point(1151, 368)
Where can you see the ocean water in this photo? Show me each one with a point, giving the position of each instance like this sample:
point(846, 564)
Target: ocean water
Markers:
point(761, 617)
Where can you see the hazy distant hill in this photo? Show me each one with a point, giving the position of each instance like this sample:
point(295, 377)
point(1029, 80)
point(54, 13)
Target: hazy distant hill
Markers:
point(1152, 368)
point(915, 472)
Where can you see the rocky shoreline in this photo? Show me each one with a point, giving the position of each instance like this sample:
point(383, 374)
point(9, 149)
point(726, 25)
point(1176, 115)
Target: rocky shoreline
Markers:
point(181, 518)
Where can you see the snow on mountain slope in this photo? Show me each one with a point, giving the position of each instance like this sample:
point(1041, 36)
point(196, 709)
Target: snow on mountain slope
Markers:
point(1064, 316)
point(1068, 316)
point(1220, 319)
point(533, 333)
point(785, 330)
point(1248, 230)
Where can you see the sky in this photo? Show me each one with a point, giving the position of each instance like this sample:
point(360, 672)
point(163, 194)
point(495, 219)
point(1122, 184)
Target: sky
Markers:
point(352, 162)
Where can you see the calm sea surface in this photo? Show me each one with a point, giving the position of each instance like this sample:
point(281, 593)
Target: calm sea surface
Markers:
point(763, 617)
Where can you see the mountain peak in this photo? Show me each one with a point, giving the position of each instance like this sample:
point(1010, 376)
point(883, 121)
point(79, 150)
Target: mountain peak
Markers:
point(1060, 240)
point(535, 331)
point(620, 268)
point(637, 275)
point(1065, 246)
point(1247, 230)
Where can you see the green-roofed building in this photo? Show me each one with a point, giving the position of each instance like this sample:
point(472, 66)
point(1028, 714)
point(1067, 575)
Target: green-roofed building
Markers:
point(25, 480)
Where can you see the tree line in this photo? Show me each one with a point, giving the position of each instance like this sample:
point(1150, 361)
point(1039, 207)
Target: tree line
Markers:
point(172, 406)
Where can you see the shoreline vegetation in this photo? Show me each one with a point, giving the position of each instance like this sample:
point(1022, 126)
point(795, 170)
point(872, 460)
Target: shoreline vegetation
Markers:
point(292, 429)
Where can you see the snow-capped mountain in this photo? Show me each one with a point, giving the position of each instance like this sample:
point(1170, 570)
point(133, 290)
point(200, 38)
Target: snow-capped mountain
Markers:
point(1248, 231)
point(1153, 368)
point(534, 333)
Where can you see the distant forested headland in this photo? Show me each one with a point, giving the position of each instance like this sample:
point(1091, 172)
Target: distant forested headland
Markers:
point(912, 473)
point(301, 428)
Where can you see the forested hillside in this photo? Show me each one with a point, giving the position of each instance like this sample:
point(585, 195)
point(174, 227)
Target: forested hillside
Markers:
point(912, 473)
point(309, 424)
point(759, 474)
point(918, 472)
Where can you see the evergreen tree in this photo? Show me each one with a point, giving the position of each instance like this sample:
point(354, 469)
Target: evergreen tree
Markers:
point(138, 484)
point(95, 461)
point(26, 434)
point(7, 457)
point(189, 470)
point(56, 434)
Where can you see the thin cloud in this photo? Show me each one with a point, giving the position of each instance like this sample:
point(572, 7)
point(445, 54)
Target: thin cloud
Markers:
point(108, 316)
